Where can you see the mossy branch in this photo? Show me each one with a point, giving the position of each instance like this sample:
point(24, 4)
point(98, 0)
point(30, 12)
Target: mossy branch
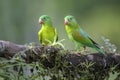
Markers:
point(69, 64)
point(36, 53)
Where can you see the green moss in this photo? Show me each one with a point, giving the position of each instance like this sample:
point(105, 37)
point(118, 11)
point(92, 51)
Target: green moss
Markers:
point(52, 65)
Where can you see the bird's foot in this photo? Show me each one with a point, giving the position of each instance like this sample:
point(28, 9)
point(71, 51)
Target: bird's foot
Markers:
point(84, 50)
point(59, 43)
point(81, 52)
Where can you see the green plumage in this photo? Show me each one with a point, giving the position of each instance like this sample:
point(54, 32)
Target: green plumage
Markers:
point(77, 35)
point(47, 34)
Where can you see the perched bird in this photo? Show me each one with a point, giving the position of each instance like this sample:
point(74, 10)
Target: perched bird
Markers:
point(47, 34)
point(77, 35)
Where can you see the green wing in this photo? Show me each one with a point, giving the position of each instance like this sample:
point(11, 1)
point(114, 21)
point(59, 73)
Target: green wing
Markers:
point(84, 39)
point(40, 36)
point(80, 38)
point(56, 35)
point(86, 36)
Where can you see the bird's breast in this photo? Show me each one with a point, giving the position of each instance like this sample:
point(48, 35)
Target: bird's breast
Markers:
point(48, 34)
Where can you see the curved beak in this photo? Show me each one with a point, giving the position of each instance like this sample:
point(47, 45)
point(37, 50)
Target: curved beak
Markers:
point(40, 21)
point(66, 22)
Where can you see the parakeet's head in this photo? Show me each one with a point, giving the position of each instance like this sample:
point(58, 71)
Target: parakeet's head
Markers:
point(45, 20)
point(70, 21)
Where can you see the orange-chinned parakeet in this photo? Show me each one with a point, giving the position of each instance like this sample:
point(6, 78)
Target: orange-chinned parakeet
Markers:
point(47, 34)
point(77, 35)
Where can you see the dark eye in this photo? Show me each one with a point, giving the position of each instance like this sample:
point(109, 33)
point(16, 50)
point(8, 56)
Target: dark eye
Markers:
point(70, 19)
point(44, 18)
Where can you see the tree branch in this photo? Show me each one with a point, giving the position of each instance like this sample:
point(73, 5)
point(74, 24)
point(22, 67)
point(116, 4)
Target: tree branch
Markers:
point(35, 53)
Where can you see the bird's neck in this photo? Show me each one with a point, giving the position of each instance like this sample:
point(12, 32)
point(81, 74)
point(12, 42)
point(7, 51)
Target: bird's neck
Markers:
point(70, 29)
point(47, 25)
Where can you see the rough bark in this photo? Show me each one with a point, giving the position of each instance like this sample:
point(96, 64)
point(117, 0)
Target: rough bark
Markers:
point(35, 53)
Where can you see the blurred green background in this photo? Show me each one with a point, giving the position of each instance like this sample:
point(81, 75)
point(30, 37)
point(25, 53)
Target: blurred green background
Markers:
point(19, 19)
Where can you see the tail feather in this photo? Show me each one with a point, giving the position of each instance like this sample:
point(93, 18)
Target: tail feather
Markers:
point(100, 50)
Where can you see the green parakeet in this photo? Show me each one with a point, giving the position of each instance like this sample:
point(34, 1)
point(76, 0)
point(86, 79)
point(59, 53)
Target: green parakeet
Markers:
point(77, 35)
point(47, 34)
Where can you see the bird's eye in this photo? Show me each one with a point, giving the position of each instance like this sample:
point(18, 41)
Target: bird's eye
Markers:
point(70, 19)
point(44, 18)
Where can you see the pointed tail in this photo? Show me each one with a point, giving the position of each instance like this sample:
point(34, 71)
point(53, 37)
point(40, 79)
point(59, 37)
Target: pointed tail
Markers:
point(100, 50)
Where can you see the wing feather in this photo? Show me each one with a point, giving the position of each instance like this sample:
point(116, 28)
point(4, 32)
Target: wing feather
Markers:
point(56, 35)
point(40, 36)
point(81, 37)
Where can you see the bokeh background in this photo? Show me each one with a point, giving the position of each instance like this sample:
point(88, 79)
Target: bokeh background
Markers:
point(19, 19)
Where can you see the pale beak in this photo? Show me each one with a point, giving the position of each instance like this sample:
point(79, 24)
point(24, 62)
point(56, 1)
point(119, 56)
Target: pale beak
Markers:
point(40, 21)
point(66, 22)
